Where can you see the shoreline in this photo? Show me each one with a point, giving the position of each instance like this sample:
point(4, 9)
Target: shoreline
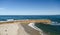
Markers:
point(30, 30)
point(32, 25)
point(27, 25)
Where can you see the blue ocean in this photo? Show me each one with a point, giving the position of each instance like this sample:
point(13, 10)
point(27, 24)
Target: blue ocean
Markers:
point(53, 29)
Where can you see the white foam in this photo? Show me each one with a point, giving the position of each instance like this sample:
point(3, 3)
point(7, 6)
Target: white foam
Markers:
point(33, 26)
point(55, 23)
point(10, 19)
point(2, 21)
point(36, 28)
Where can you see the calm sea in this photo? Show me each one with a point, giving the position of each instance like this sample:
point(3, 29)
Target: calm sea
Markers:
point(53, 29)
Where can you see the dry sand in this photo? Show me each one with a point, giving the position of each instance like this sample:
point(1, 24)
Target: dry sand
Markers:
point(24, 29)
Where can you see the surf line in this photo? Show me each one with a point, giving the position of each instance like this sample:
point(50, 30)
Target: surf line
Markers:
point(32, 25)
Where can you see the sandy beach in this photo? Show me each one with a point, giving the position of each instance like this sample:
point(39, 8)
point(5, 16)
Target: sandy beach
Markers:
point(29, 30)
point(19, 28)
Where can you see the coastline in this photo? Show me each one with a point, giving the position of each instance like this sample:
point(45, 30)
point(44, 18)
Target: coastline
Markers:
point(32, 25)
point(30, 30)
point(24, 29)
point(28, 26)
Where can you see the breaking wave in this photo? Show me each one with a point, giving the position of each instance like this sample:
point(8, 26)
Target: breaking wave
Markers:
point(55, 23)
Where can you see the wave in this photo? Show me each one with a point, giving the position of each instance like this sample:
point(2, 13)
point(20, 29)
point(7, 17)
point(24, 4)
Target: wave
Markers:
point(36, 28)
point(55, 23)
point(10, 19)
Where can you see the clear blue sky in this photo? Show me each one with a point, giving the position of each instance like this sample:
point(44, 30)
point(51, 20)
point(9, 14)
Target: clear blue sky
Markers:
point(29, 7)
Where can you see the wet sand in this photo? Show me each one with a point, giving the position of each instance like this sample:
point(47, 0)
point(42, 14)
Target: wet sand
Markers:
point(28, 30)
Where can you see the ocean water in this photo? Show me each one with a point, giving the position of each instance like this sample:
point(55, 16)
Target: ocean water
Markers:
point(53, 29)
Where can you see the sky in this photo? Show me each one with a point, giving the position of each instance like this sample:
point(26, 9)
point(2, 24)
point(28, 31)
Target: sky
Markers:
point(29, 7)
